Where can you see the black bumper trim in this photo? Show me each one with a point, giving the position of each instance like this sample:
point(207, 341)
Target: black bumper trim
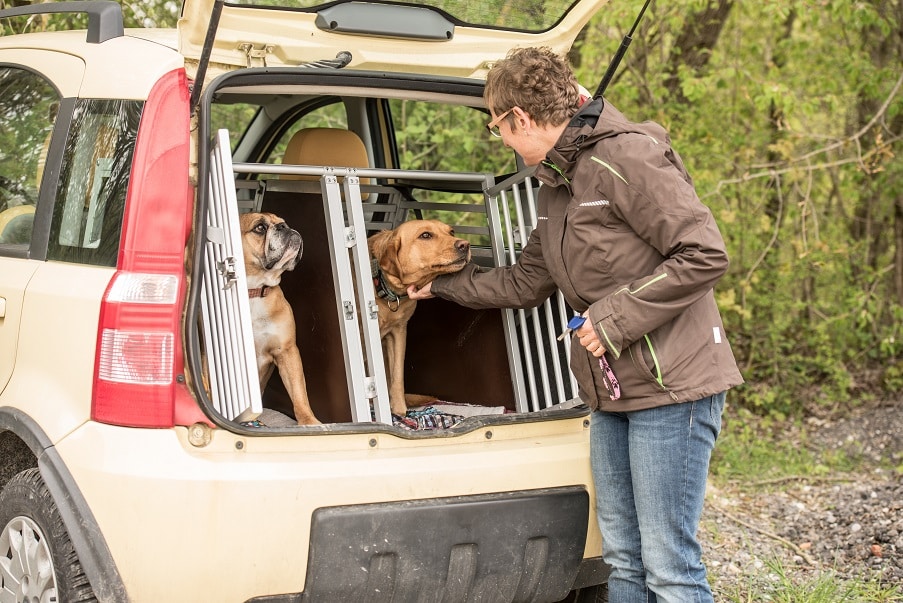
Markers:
point(510, 546)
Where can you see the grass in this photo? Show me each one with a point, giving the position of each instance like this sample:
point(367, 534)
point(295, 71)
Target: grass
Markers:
point(758, 452)
point(776, 586)
point(753, 449)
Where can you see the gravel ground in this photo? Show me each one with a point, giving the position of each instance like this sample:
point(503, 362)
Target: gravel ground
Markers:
point(844, 525)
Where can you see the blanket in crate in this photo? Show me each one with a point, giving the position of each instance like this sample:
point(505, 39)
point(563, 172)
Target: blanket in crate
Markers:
point(438, 415)
point(442, 415)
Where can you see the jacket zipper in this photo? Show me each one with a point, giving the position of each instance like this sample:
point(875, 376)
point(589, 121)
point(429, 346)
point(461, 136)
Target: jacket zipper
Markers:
point(657, 376)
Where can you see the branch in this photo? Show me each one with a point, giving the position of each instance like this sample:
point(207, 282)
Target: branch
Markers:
point(811, 561)
point(774, 234)
point(769, 170)
point(798, 478)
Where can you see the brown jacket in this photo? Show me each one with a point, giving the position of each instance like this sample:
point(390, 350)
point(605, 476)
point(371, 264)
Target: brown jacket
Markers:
point(622, 233)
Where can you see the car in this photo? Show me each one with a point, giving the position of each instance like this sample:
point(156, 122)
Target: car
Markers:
point(140, 460)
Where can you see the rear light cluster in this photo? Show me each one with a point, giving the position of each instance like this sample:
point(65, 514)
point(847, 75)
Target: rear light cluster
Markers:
point(139, 349)
point(129, 352)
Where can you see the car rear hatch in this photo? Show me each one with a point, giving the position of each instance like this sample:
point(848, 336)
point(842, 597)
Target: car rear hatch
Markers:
point(444, 37)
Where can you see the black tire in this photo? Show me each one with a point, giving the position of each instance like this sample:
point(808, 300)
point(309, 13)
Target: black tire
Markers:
point(32, 530)
point(592, 594)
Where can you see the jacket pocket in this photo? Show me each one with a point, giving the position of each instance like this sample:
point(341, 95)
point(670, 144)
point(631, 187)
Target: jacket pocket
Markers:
point(647, 361)
point(583, 373)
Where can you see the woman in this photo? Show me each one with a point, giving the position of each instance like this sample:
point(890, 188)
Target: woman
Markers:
point(622, 233)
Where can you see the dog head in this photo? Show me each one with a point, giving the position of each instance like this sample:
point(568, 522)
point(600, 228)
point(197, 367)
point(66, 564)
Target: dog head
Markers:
point(270, 248)
point(418, 251)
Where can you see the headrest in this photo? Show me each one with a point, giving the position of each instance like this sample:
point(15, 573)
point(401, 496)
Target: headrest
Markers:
point(332, 147)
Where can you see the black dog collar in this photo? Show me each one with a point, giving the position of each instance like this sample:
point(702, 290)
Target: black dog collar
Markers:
point(382, 287)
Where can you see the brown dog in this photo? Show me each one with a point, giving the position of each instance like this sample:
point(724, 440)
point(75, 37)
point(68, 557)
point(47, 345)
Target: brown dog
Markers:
point(271, 248)
point(413, 254)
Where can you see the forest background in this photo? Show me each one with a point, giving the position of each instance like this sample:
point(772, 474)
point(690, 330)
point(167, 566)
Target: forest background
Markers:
point(789, 116)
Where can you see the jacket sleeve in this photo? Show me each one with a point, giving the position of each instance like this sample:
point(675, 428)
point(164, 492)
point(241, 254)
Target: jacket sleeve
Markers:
point(526, 284)
point(655, 197)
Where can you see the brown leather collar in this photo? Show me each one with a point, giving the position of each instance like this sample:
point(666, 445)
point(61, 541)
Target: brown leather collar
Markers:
point(259, 292)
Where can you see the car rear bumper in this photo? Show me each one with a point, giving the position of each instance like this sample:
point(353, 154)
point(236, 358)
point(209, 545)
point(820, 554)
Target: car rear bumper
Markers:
point(244, 518)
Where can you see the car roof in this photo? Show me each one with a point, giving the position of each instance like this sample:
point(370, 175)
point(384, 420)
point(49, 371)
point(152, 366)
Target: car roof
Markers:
point(446, 37)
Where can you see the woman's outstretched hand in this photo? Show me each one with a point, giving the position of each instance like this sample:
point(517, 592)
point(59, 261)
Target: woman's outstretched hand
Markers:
point(425, 292)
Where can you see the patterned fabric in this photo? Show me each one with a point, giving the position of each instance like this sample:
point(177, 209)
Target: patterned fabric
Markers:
point(441, 416)
point(426, 417)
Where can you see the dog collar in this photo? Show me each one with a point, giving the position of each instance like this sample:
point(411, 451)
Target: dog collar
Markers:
point(259, 292)
point(381, 286)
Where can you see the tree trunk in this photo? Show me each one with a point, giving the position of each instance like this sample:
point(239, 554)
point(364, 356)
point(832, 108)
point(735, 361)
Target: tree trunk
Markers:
point(694, 45)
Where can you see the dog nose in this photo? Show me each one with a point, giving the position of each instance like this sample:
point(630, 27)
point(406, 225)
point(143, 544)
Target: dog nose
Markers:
point(462, 245)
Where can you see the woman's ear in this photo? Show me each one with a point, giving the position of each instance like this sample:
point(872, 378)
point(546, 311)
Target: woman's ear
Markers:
point(522, 119)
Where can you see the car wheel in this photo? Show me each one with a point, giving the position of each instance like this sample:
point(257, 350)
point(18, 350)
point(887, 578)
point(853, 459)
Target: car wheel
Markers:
point(592, 594)
point(37, 560)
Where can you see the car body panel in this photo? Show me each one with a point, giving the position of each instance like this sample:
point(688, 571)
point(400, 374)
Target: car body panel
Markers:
point(16, 273)
point(62, 68)
point(82, 69)
point(266, 489)
point(255, 36)
point(57, 345)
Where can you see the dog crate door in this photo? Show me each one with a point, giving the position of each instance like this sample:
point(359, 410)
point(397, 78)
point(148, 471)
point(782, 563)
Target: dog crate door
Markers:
point(232, 381)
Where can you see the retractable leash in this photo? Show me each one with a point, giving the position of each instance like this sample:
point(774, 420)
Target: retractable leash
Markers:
point(608, 375)
point(622, 49)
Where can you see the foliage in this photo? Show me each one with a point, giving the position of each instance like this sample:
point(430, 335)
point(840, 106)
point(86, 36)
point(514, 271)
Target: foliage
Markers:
point(776, 586)
point(752, 450)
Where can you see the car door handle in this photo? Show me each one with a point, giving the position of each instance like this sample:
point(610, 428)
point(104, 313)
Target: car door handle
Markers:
point(2, 307)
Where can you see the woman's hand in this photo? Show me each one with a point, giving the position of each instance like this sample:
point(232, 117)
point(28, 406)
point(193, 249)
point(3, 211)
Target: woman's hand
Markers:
point(425, 292)
point(586, 334)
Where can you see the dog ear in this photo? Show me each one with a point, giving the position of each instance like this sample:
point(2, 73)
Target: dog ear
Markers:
point(384, 246)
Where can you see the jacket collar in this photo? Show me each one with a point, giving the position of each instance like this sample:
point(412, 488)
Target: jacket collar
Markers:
point(560, 162)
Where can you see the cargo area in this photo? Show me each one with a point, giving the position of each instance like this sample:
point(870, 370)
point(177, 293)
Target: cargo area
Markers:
point(492, 364)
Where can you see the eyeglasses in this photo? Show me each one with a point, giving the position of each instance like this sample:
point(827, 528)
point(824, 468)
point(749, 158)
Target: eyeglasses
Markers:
point(493, 126)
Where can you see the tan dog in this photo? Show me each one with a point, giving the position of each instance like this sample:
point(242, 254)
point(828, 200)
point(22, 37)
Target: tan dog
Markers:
point(271, 248)
point(413, 254)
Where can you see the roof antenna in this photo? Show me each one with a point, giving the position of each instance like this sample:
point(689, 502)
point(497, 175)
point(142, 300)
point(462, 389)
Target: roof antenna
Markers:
point(613, 66)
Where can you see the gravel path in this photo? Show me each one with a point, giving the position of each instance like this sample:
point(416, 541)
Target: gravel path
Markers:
point(847, 525)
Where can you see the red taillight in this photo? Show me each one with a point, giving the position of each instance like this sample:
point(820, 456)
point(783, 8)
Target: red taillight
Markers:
point(139, 350)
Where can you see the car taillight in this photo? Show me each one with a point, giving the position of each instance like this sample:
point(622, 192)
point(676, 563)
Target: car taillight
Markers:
point(139, 348)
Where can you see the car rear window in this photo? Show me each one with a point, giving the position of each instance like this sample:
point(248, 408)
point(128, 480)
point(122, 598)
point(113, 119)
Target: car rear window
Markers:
point(87, 215)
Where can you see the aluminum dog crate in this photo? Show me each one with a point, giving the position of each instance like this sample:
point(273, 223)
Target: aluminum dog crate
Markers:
point(502, 215)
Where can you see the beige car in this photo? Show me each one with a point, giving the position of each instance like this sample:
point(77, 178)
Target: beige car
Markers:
point(139, 458)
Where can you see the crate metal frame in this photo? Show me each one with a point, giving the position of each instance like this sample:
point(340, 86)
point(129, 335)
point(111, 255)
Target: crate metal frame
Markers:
point(537, 360)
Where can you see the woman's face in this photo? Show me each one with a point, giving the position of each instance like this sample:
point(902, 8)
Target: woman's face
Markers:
point(519, 132)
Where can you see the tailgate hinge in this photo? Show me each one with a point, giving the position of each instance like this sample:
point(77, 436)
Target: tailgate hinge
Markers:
point(257, 56)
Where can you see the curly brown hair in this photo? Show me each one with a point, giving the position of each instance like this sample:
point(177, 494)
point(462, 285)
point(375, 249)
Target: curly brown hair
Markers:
point(538, 81)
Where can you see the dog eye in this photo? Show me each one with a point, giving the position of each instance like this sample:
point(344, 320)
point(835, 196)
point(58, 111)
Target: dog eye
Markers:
point(260, 228)
point(426, 235)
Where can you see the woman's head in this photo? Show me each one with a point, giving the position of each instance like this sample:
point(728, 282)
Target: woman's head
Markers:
point(538, 81)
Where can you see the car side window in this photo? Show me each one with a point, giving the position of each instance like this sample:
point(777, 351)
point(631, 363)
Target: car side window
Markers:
point(28, 105)
point(447, 138)
point(87, 215)
point(242, 119)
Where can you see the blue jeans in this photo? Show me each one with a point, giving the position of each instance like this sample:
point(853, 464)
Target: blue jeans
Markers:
point(650, 468)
